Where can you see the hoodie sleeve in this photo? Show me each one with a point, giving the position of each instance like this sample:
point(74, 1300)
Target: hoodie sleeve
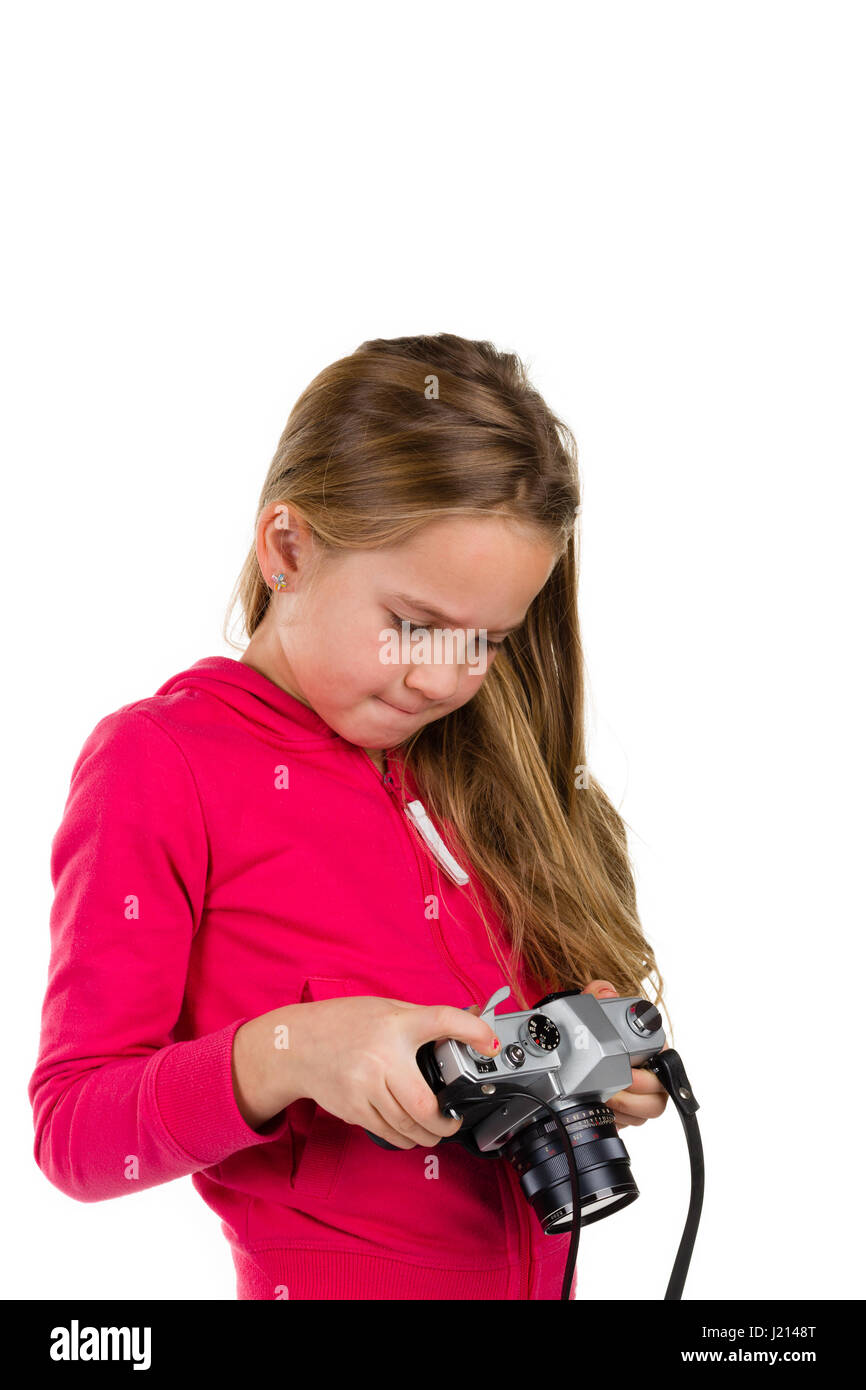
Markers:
point(117, 1106)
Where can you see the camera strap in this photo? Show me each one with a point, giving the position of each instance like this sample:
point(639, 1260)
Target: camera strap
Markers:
point(668, 1067)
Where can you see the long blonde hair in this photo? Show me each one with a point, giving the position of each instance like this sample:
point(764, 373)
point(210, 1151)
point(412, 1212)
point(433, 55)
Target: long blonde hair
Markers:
point(408, 430)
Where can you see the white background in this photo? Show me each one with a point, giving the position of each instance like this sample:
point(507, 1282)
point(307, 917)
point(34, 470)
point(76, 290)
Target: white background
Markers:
point(661, 209)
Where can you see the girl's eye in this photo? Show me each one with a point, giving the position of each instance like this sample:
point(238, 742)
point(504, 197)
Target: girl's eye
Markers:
point(398, 622)
point(423, 627)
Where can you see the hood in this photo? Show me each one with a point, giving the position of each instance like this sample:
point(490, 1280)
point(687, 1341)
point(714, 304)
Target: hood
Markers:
point(259, 700)
point(253, 695)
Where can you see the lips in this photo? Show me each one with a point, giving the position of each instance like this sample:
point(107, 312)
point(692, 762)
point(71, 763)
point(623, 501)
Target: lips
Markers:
point(397, 707)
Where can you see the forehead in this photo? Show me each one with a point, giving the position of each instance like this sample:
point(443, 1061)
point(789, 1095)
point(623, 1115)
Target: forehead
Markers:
point(466, 571)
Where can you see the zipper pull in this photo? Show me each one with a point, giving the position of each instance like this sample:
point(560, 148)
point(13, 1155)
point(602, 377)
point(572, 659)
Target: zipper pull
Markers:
point(425, 827)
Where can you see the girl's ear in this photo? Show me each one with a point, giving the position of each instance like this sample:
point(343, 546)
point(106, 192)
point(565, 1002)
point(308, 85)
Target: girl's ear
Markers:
point(284, 543)
point(281, 551)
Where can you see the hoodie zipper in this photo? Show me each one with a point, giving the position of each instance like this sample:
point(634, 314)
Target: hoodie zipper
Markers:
point(524, 1234)
point(422, 861)
point(524, 1231)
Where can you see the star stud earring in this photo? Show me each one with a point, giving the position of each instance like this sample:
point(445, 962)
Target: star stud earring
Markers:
point(280, 581)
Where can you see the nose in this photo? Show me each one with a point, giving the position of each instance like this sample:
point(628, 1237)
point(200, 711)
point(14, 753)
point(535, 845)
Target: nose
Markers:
point(434, 680)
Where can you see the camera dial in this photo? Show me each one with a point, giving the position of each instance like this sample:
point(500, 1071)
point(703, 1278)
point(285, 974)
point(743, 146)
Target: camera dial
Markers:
point(643, 1018)
point(539, 1034)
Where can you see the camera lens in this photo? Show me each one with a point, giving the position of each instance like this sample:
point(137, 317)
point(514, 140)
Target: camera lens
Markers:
point(538, 1156)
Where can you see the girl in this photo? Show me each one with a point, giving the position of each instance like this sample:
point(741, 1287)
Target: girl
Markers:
point(251, 935)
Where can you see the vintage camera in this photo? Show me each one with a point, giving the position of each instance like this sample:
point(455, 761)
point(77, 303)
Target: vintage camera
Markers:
point(570, 1053)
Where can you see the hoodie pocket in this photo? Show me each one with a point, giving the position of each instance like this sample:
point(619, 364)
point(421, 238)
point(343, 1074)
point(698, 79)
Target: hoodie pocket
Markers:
point(321, 1156)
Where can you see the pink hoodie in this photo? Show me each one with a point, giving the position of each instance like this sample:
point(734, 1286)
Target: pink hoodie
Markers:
point(223, 852)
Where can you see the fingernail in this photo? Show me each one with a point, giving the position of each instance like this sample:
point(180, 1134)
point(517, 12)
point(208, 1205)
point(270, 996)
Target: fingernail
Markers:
point(607, 994)
point(495, 1044)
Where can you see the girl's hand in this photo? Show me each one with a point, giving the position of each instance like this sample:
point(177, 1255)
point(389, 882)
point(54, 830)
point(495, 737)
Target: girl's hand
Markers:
point(356, 1057)
point(646, 1097)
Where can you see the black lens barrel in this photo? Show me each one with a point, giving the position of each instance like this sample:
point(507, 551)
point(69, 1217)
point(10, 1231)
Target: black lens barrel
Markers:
point(538, 1156)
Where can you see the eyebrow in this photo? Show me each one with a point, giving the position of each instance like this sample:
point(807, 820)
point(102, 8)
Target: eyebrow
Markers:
point(450, 622)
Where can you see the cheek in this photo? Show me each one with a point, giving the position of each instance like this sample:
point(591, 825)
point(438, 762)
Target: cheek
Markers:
point(467, 688)
point(333, 665)
point(474, 675)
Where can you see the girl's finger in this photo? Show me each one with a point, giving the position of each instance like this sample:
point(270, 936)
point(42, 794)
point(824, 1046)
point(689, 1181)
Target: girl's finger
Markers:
point(385, 1130)
point(400, 1105)
point(644, 1107)
point(644, 1082)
